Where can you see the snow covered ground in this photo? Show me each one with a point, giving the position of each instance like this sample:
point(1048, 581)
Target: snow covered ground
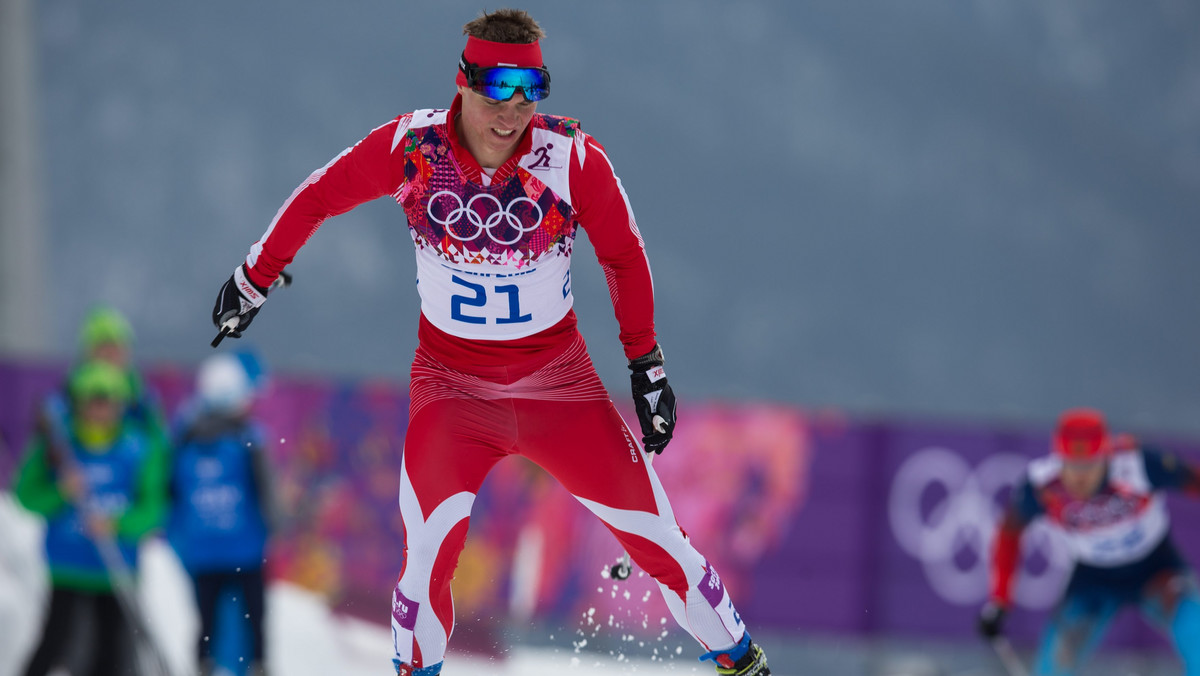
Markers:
point(304, 637)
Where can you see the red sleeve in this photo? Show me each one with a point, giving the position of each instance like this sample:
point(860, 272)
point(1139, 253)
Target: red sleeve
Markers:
point(1006, 554)
point(604, 212)
point(361, 173)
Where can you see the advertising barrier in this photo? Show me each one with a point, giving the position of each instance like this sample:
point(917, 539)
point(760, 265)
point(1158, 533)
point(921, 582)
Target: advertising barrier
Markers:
point(818, 524)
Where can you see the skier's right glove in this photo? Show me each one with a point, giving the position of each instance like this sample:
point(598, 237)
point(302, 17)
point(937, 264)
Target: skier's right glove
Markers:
point(991, 620)
point(239, 297)
point(653, 400)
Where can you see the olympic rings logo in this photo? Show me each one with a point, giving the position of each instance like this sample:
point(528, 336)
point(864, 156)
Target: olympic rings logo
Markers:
point(944, 514)
point(506, 214)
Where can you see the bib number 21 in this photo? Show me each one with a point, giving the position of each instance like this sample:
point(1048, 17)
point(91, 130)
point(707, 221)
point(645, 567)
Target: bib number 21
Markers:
point(478, 297)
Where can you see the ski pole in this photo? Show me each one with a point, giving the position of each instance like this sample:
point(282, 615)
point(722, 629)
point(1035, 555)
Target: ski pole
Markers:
point(1008, 656)
point(150, 659)
point(230, 325)
point(622, 568)
point(624, 565)
point(227, 328)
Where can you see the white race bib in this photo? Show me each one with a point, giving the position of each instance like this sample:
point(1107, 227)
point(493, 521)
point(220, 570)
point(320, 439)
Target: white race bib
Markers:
point(493, 302)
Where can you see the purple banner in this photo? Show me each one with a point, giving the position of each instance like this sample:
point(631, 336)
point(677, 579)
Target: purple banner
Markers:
point(945, 487)
point(814, 524)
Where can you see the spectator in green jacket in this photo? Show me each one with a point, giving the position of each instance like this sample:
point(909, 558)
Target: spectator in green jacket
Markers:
point(107, 336)
point(98, 479)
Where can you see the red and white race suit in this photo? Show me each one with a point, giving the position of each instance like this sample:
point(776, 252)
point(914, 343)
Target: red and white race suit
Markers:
point(501, 368)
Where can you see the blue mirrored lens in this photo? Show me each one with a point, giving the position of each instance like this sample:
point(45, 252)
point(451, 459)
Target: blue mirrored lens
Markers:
point(502, 83)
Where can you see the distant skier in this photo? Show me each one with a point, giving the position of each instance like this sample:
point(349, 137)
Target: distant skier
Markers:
point(1106, 497)
point(494, 194)
point(221, 504)
point(107, 482)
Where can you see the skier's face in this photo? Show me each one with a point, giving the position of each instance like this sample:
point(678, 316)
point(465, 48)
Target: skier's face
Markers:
point(1082, 478)
point(491, 129)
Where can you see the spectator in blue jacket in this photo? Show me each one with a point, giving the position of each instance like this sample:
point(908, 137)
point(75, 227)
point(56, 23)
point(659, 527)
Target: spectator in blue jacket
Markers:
point(98, 480)
point(221, 502)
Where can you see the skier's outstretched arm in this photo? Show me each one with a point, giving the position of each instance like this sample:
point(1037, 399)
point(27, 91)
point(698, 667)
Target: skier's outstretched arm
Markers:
point(361, 173)
point(1006, 557)
point(1169, 471)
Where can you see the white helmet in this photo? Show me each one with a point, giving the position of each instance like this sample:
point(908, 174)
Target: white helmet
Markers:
point(222, 384)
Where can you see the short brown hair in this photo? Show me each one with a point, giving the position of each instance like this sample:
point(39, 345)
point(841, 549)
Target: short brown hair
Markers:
point(513, 26)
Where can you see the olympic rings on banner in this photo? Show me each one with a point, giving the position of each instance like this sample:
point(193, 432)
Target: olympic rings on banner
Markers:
point(944, 514)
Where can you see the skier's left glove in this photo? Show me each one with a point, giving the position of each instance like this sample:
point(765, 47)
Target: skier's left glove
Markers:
point(653, 400)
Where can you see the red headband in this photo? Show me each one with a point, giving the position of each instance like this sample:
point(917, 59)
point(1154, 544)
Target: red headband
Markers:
point(488, 54)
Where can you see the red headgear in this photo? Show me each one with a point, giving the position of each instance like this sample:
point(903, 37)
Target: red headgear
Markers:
point(1081, 435)
point(488, 54)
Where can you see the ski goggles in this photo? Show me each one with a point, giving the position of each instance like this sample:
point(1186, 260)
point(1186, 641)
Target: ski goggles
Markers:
point(501, 83)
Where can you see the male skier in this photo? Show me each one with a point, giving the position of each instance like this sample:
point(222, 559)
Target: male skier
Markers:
point(493, 193)
point(1106, 497)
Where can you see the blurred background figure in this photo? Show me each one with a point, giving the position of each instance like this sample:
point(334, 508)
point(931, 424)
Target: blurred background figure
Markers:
point(1106, 497)
point(107, 336)
point(97, 479)
point(221, 508)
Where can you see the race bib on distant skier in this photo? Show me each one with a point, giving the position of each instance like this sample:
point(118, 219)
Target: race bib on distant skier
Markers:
point(493, 302)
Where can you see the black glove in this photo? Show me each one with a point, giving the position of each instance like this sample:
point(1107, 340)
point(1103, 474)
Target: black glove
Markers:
point(991, 620)
point(239, 297)
point(653, 400)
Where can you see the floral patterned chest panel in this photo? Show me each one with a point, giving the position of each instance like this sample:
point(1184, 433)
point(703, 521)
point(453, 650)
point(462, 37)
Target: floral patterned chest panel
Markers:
point(515, 223)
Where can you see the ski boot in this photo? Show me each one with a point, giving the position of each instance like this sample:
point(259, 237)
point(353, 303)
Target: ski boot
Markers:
point(403, 669)
point(744, 659)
